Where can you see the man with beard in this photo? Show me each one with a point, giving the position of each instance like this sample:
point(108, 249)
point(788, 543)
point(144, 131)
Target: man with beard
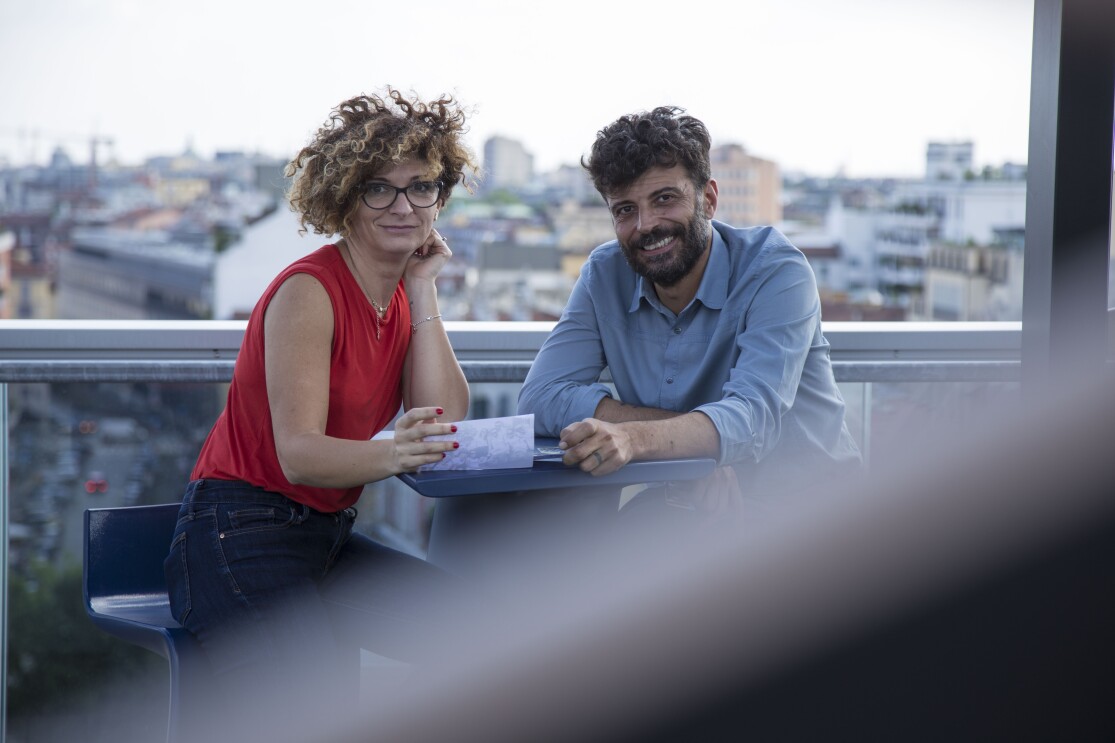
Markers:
point(711, 333)
point(712, 336)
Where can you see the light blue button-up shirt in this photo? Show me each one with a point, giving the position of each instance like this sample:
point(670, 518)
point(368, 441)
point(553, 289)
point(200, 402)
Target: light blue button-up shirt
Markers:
point(747, 352)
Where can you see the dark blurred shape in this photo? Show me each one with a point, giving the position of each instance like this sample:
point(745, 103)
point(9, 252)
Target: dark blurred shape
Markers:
point(1018, 646)
point(964, 593)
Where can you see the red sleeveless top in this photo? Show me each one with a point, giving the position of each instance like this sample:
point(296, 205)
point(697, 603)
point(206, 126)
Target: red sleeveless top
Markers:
point(365, 391)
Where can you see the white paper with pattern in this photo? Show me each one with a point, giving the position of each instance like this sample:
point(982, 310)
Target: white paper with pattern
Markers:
point(488, 444)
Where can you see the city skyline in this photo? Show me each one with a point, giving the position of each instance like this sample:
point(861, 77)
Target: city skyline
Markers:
point(860, 86)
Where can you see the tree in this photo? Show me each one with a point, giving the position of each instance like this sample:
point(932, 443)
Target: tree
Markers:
point(56, 655)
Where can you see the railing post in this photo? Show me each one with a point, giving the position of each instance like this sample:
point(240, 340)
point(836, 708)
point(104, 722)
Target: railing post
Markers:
point(866, 413)
point(1068, 198)
point(4, 490)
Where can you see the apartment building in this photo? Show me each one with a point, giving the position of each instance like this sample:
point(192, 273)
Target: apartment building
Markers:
point(507, 164)
point(750, 188)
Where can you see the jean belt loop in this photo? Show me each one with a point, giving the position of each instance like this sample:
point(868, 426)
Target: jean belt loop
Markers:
point(303, 512)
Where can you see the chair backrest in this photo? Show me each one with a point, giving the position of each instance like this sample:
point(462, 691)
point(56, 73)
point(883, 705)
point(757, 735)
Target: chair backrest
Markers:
point(125, 548)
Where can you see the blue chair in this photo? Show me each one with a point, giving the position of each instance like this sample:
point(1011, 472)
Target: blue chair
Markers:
point(125, 595)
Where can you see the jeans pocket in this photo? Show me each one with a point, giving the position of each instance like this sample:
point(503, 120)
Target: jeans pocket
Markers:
point(258, 518)
point(177, 574)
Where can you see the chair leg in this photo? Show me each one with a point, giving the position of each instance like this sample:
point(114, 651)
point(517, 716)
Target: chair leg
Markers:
point(190, 683)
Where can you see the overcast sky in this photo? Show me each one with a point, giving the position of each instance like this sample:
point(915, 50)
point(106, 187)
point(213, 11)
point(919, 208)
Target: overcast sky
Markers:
point(816, 85)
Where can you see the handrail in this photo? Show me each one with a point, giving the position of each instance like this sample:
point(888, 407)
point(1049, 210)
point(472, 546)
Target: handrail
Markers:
point(126, 370)
point(205, 351)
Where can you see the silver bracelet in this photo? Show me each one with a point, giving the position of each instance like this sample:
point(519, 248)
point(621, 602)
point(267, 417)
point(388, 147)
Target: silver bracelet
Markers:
point(414, 325)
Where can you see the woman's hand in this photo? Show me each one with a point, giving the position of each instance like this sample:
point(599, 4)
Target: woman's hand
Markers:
point(411, 449)
point(426, 262)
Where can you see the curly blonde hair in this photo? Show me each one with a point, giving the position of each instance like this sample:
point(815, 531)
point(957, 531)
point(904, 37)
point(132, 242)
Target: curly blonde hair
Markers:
point(362, 137)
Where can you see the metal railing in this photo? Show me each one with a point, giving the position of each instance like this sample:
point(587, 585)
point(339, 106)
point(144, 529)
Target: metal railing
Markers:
point(205, 351)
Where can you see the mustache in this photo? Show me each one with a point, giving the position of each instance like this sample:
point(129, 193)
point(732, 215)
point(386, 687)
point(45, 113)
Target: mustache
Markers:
point(657, 234)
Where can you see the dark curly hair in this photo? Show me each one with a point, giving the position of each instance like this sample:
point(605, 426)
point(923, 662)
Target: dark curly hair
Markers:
point(633, 144)
point(363, 136)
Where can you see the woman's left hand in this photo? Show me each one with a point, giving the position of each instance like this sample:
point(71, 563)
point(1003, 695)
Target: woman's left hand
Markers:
point(411, 449)
point(426, 262)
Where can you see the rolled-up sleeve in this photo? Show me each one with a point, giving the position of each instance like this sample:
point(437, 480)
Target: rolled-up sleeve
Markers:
point(563, 385)
point(775, 332)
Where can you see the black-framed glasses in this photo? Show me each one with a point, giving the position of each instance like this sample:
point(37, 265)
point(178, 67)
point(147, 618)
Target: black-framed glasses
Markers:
point(420, 194)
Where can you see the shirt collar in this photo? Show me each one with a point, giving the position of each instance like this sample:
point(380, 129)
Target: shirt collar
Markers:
point(713, 290)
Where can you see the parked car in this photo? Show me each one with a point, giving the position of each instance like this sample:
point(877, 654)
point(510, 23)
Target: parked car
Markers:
point(96, 483)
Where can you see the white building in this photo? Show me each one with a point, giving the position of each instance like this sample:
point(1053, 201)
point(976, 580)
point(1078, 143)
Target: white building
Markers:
point(948, 161)
point(507, 164)
point(967, 210)
point(966, 283)
point(952, 206)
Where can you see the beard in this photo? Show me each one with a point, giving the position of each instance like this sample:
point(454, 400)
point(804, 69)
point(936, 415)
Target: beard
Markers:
point(667, 270)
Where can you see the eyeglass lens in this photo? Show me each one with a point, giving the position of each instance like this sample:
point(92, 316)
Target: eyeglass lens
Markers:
point(420, 194)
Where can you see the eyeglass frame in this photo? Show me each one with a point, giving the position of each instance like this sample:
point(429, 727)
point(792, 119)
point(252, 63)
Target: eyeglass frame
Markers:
point(399, 190)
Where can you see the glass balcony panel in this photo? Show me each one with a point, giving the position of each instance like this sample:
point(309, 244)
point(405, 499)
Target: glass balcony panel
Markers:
point(74, 445)
point(897, 412)
point(71, 447)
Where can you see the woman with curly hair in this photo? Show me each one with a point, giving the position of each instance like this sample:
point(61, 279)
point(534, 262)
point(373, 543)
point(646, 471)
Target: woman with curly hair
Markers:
point(264, 567)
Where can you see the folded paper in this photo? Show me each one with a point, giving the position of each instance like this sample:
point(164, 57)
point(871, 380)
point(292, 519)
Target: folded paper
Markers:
point(488, 444)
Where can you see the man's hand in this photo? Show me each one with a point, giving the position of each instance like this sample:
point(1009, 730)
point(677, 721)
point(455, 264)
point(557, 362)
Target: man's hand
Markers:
point(597, 447)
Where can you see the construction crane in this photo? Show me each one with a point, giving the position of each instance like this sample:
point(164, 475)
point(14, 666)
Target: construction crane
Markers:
point(30, 137)
point(94, 142)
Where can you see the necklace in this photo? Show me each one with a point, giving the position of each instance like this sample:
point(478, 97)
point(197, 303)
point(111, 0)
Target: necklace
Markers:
point(380, 314)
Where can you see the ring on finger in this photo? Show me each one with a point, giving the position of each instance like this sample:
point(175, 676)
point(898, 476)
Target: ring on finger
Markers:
point(599, 459)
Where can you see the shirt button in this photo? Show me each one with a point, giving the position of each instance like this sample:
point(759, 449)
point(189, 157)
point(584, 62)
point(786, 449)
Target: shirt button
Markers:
point(677, 330)
point(669, 380)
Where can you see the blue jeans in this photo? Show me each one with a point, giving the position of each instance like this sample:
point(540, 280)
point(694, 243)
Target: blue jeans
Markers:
point(281, 597)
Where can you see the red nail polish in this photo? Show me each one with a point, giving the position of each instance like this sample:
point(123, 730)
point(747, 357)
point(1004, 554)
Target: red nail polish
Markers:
point(456, 445)
point(453, 429)
point(440, 411)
